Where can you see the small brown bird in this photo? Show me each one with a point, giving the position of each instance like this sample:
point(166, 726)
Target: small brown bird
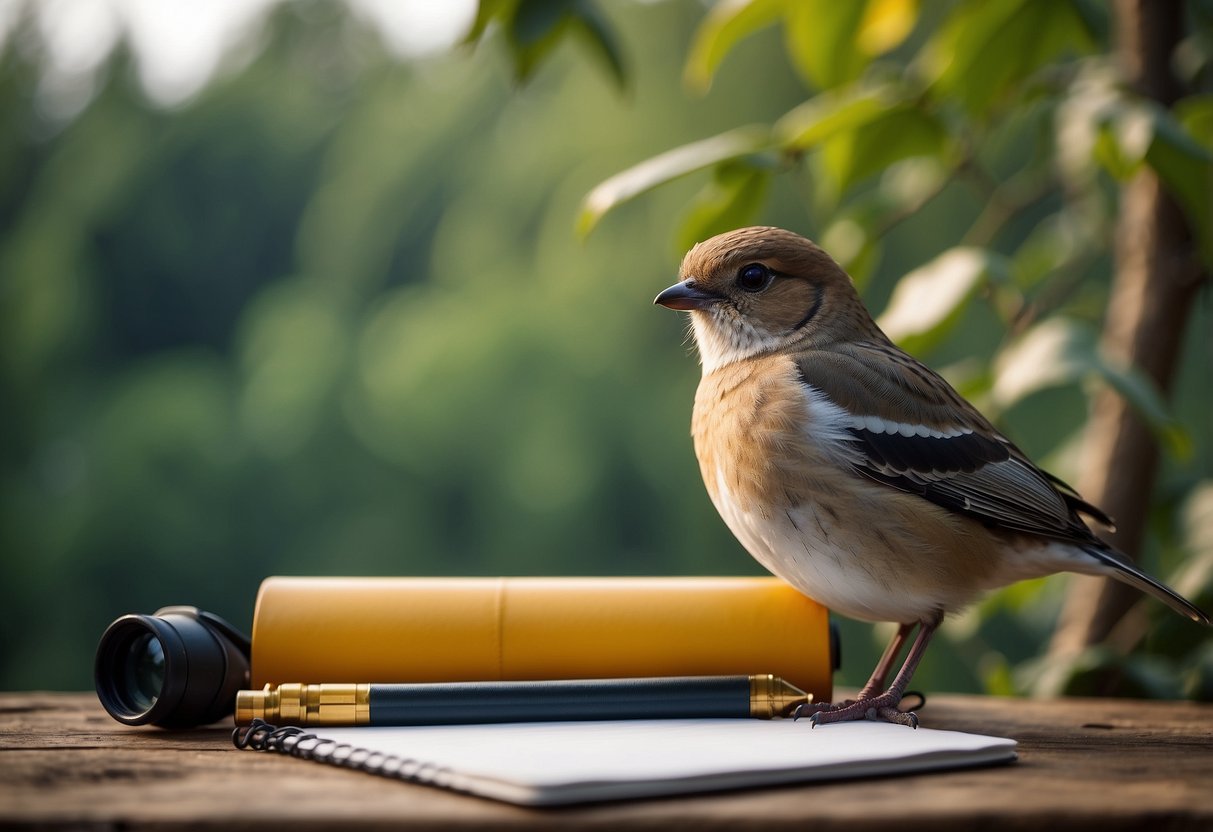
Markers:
point(854, 472)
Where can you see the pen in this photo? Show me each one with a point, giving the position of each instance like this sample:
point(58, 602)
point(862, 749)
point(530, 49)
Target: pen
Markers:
point(451, 703)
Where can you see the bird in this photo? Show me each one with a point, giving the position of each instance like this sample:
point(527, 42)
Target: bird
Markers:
point(854, 472)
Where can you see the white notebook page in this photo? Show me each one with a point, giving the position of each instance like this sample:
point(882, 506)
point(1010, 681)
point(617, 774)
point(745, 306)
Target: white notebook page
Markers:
point(568, 762)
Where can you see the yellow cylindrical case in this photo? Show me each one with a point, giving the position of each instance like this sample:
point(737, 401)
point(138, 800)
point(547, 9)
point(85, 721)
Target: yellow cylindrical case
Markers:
point(383, 630)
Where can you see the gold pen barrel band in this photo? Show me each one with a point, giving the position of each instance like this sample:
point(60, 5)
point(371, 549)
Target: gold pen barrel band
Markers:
point(771, 696)
point(295, 704)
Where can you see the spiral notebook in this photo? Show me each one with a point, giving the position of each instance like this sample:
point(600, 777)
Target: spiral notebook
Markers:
point(557, 763)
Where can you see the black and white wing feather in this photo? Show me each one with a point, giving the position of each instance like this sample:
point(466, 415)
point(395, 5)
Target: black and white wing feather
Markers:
point(911, 431)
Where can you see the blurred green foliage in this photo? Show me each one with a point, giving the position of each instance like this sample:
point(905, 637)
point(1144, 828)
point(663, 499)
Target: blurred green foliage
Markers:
point(331, 316)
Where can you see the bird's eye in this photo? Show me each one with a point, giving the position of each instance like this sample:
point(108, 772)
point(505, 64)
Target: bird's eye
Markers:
point(754, 278)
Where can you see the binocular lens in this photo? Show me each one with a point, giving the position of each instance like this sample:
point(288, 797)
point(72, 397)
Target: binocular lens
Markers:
point(177, 668)
point(143, 671)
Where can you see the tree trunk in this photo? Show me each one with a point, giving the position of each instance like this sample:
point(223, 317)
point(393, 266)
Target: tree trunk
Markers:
point(1157, 276)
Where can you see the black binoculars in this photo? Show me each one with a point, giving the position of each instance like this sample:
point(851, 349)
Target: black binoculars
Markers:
point(179, 667)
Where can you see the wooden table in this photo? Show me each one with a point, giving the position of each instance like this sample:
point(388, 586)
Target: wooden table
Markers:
point(1083, 764)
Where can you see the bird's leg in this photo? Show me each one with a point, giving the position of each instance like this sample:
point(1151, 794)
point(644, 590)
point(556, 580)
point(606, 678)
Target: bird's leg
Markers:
point(884, 706)
point(875, 683)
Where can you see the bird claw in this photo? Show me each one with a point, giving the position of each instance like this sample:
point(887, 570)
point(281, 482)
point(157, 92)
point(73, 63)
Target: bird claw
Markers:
point(897, 717)
point(882, 708)
point(808, 709)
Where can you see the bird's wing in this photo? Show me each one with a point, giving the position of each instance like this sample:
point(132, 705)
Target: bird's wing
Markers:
point(911, 431)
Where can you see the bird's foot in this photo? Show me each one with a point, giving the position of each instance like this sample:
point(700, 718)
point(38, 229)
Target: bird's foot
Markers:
point(876, 708)
point(808, 709)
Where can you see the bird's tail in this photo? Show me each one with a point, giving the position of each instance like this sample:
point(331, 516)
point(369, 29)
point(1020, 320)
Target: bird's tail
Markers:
point(1124, 570)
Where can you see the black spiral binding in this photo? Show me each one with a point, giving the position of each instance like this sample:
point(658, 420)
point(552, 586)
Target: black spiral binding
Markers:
point(260, 735)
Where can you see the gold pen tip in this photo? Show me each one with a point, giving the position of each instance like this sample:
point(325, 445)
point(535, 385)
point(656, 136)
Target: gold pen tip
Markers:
point(771, 696)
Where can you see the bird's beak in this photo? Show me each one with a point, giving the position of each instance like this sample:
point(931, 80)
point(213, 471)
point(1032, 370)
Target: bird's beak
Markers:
point(685, 296)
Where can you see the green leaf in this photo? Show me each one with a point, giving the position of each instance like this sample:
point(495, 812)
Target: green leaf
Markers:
point(986, 48)
point(850, 243)
point(726, 23)
point(1090, 101)
point(854, 236)
point(667, 167)
point(1137, 389)
point(536, 20)
point(828, 43)
point(928, 301)
point(600, 37)
point(1054, 353)
point(822, 38)
point(1101, 669)
point(849, 157)
point(885, 25)
point(1195, 577)
point(535, 28)
point(731, 200)
point(834, 111)
point(996, 675)
point(534, 31)
point(1053, 244)
point(486, 12)
point(1121, 143)
point(1195, 113)
point(1133, 132)
point(1186, 170)
point(1059, 352)
point(1198, 678)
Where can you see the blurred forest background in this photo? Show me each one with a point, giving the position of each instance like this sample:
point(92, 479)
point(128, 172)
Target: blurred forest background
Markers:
point(361, 299)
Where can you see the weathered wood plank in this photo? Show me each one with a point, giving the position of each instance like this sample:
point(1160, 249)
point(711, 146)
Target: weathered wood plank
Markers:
point(1084, 764)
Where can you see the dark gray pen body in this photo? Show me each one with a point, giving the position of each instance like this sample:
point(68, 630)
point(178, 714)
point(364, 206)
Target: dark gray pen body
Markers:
point(448, 703)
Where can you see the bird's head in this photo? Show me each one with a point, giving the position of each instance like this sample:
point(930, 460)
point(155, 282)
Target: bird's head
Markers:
point(758, 290)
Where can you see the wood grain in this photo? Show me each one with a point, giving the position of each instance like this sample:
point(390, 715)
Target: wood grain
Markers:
point(1083, 764)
